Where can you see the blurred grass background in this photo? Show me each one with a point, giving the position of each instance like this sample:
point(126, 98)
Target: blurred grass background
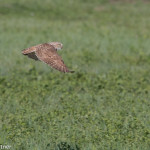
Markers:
point(104, 104)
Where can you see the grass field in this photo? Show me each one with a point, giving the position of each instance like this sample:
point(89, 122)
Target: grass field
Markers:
point(105, 104)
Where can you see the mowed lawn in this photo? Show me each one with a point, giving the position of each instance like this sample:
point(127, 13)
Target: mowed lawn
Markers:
point(105, 104)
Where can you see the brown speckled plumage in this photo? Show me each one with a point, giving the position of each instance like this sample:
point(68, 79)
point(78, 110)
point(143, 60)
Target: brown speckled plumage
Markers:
point(47, 53)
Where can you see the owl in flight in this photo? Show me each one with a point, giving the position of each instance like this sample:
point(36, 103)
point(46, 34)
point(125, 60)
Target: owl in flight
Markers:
point(47, 53)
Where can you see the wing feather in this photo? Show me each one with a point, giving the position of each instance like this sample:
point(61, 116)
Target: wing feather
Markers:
point(31, 49)
point(48, 54)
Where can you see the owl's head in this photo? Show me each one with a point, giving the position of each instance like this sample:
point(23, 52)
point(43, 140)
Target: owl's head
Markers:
point(57, 45)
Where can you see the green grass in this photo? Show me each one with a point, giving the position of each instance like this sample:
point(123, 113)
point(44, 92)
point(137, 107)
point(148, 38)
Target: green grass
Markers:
point(105, 104)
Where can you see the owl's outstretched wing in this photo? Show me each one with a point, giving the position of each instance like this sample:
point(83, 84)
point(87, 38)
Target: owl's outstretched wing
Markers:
point(30, 52)
point(48, 54)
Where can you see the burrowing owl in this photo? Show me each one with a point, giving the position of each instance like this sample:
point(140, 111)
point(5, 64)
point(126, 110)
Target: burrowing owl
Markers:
point(47, 53)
